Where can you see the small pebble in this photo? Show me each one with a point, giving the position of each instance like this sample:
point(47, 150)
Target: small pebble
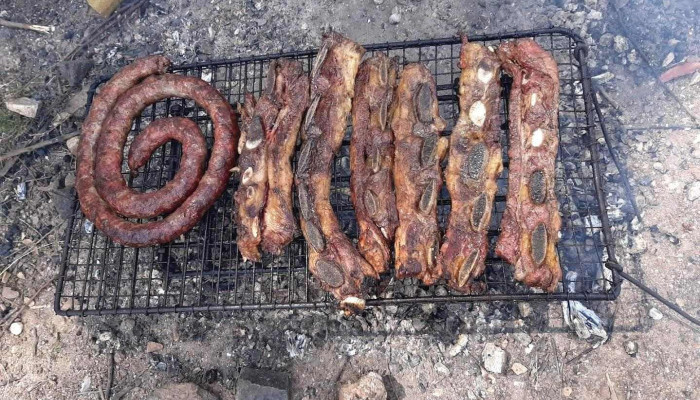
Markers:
point(9, 293)
point(153, 347)
point(655, 314)
point(668, 59)
point(567, 391)
point(525, 309)
point(459, 345)
point(16, 328)
point(378, 2)
point(518, 368)
point(72, 145)
point(621, 44)
point(694, 191)
point(442, 368)
point(631, 347)
point(395, 16)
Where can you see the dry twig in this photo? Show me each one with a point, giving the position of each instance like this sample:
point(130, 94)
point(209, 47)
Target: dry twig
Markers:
point(39, 145)
point(19, 25)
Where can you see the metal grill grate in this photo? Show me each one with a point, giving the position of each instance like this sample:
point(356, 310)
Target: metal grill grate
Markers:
point(203, 270)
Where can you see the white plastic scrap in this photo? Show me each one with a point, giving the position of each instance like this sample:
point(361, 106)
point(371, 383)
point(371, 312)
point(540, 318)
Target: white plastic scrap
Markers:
point(584, 321)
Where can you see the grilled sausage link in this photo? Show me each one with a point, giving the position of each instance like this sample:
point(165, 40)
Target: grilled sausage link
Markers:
point(531, 222)
point(104, 134)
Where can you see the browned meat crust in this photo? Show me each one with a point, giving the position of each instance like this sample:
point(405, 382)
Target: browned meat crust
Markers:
point(416, 124)
point(103, 137)
point(333, 259)
point(372, 159)
point(473, 167)
point(531, 222)
point(288, 86)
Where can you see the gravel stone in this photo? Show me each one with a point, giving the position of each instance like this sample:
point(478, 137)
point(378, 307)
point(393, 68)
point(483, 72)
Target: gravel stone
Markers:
point(256, 384)
point(631, 348)
point(494, 358)
point(694, 191)
point(395, 16)
point(525, 309)
point(9, 293)
point(16, 328)
point(518, 368)
point(441, 368)
point(369, 387)
point(621, 44)
point(459, 345)
point(655, 314)
point(154, 347)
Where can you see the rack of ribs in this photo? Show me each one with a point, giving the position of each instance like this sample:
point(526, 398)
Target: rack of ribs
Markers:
point(531, 222)
point(372, 159)
point(270, 126)
point(288, 87)
point(473, 167)
point(416, 124)
point(257, 118)
point(333, 259)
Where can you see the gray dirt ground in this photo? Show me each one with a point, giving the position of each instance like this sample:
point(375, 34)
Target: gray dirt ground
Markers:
point(658, 139)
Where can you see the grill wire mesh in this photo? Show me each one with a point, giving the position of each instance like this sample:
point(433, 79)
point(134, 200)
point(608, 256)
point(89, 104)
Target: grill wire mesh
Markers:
point(203, 270)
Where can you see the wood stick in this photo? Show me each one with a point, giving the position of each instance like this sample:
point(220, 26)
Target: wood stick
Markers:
point(39, 145)
point(19, 25)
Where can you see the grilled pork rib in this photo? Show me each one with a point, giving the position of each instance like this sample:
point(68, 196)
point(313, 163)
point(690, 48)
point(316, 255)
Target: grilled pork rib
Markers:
point(372, 158)
point(416, 124)
point(531, 222)
point(251, 195)
point(473, 167)
point(333, 259)
point(288, 87)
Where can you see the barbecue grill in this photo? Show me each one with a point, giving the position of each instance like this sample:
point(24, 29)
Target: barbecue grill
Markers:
point(203, 270)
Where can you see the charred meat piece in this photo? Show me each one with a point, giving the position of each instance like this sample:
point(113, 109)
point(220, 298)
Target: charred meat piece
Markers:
point(288, 89)
point(473, 167)
point(250, 197)
point(416, 124)
point(333, 259)
point(531, 222)
point(372, 159)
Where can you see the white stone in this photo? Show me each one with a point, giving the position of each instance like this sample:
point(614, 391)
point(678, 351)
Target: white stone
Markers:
point(442, 368)
point(518, 368)
point(477, 113)
point(458, 346)
point(537, 137)
point(668, 59)
point(655, 314)
point(23, 106)
point(494, 358)
point(395, 16)
point(16, 328)
point(694, 191)
point(484, 75)
point(72, 145)
point(525, 309)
